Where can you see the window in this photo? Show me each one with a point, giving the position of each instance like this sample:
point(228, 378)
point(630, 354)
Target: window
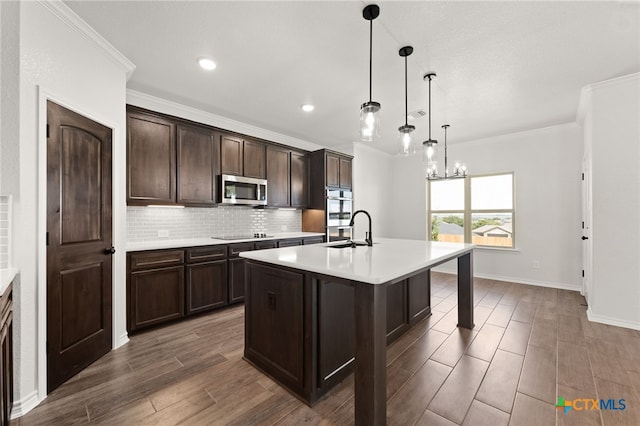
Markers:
point(476, 210)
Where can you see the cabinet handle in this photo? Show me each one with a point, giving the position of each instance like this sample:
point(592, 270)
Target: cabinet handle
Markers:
point(585, 238)
point(109, 250)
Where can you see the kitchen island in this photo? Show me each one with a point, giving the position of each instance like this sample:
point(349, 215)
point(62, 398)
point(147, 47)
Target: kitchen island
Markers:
point(313, 314)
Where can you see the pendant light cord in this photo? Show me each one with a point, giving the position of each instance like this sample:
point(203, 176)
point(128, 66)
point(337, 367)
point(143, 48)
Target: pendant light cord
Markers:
point(406, 102)
point(370, 56)
point(429, 107)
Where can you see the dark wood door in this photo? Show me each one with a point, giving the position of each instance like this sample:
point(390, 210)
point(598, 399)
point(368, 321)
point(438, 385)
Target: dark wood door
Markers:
point(206, 286)
point(345, 172)
point(236, 280)
point(231, 155)
point(254, 160)
point(332, 172)
point(198, 158)
point(419, 296)
point(151, 160)
point(79, 282)
point(278, 177)
point(299, 180)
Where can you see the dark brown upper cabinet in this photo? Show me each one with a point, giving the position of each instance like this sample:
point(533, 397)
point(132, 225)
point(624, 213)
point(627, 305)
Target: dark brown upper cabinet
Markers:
point(151, 160)
point(242, 157)
point(254, 157)
point(327, 169)
point(231, 155)
point(345, 173)
point(278, 175)
point(299, 180)
point(198, 160)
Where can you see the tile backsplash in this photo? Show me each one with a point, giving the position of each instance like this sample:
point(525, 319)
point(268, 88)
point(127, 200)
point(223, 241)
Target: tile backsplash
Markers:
point(149, 224)
point(5, 231)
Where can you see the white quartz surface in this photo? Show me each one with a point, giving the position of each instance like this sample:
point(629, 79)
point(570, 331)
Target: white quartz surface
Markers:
point(387, 260)
point(6, 276)
point(207, 241)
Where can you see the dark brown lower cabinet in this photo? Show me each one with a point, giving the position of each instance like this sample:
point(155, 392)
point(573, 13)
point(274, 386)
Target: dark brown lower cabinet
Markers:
point(397, 321)
point(206, 286)
point(419, 296)
point(157, 295)
point(6, 355)
point(290, 243)
point(236, 271)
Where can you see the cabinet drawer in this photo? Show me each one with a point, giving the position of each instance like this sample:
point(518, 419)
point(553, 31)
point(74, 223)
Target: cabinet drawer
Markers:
point(313, 240)
point(260, 245)
point(156, 259)
point(290, 243)
point(236, 249)
point(202, 254)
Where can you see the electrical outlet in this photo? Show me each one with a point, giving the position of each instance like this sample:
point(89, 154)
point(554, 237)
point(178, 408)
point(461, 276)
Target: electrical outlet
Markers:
point(535, 264)
point(283, 227)
point(163, 233)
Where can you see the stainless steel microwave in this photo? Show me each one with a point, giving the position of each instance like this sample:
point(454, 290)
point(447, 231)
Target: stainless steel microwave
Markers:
point(243, 190)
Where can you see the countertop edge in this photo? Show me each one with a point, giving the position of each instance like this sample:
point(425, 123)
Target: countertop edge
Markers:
point(6, 277)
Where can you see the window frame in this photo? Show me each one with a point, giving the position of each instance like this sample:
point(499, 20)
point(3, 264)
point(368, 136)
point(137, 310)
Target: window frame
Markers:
point(467, 213)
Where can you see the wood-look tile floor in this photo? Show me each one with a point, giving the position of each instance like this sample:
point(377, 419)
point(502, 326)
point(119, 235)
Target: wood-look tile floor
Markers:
point(529, 346)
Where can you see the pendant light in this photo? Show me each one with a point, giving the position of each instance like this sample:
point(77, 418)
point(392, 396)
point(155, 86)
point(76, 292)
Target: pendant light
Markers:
point(405, 143)
point(429, 146)
point(459, 171)
point(369, 117)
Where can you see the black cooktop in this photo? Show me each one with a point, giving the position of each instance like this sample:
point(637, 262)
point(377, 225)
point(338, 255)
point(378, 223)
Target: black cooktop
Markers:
point(242, 237)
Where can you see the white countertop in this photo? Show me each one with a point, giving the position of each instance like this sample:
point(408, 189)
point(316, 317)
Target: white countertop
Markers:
point(6, 276)
point(387, 260)
point(194, 242)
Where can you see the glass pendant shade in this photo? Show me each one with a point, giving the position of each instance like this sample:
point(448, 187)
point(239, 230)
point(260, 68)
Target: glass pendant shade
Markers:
point(406, 145)
point(429, 151)
point(369, 121)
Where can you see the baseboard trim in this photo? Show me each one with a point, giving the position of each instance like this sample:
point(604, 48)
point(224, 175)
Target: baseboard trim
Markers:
point(122, 340)
point(24, 405)
point(559, 286)
point(603, 319)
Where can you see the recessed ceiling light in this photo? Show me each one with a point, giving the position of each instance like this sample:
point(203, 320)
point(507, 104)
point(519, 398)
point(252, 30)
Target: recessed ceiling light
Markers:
point(207, 63)
point(307, 107)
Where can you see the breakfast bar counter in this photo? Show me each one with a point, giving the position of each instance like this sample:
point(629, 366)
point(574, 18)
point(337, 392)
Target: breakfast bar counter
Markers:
point(315, 313)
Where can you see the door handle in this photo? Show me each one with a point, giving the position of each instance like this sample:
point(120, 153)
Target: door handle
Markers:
point(585, 238)
point(109, 250)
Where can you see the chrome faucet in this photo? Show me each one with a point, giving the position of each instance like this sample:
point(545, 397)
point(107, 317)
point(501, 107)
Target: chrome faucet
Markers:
point(368, 235)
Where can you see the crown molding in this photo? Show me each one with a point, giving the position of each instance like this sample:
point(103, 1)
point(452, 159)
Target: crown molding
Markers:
point(164, 106)
point(586, 92)
point(73, 21)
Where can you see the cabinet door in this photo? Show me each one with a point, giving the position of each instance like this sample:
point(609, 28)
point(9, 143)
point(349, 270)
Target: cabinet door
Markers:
point(254, 160)
point(419, 289)
point(345, 172)
point(396, 310)
point(231, 155)
point(206, 286)
point(236, 280)
point(278, 177)
point(198, 158)
point(332, 170)
point(151, 160)
point(299, 180)
point(157, 295)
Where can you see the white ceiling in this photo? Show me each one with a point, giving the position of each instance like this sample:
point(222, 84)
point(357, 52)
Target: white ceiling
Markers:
point(502, 66)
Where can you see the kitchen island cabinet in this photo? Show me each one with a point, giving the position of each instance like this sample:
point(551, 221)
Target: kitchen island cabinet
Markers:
point(293, 292)
point(6, 354)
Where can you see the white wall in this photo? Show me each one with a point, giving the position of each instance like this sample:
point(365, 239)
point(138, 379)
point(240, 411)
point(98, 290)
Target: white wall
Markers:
point(9, 101)
point(612, 134)
point(547, 167)
point(59, 57)
point(372, 186)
